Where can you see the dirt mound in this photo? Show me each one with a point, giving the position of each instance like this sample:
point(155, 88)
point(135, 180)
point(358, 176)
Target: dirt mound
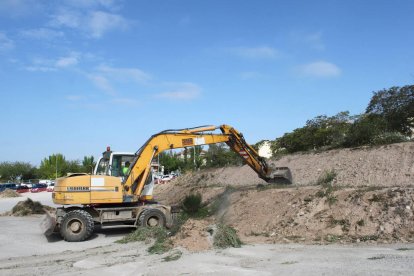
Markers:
point(194, 235)
point(311, 215)
point(9, 193)
point(389, 165)
point(369, 198)
point(29, 207)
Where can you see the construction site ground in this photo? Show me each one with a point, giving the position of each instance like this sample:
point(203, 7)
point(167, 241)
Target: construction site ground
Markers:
point(347, 212)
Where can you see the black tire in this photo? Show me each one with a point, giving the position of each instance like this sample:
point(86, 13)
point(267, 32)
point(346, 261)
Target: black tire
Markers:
point(76, 226)
point(152, 218)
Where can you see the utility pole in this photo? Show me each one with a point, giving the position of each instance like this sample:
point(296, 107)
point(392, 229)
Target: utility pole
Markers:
point(56, 157)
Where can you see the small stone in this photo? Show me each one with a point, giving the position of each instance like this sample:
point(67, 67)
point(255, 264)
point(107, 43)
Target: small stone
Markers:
point(358, 240)
point(407, 207)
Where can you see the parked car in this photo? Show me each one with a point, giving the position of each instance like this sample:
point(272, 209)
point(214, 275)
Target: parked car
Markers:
point(22, 189)
point(11, 186)
point(50, 187)
point(36, 188)
point(165, 179)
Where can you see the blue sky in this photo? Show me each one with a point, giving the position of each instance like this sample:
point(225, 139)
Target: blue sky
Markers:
point(78, 75)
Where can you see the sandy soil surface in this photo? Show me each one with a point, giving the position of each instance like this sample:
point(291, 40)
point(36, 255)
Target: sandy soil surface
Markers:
point(24, 251)
point(390, 165)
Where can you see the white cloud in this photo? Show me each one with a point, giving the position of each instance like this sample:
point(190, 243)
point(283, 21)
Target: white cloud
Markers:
point(48, 65)
point(41, 65)
point(5, 42)
point(263, 52)
point(125, 101)
point(102, 83)
point(322, 69)
point(124, 74)
point(94, 23)
point(19, 8)
point(74, 98)
point(315, 41)
point(106, 77)
point(42, 34)
point(67, 61)
point(101, 22)
point(108, 4)
point(312, 40)
point(181, 91)
point(250, 75)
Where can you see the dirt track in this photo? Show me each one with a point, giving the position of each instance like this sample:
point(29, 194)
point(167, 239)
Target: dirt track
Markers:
point(100, 256)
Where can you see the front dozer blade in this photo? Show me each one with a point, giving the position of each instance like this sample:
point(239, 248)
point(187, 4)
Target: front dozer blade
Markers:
point(48, 224)
point(280, 175)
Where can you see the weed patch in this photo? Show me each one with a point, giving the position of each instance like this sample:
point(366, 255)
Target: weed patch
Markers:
point(147, 234)
point(226, 236)
point(192, 203)
point(404, 249)
point(326, 178)
point(376, 258)
point(173, 256)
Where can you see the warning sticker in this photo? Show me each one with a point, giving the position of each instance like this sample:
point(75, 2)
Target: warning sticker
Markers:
point(188, 142)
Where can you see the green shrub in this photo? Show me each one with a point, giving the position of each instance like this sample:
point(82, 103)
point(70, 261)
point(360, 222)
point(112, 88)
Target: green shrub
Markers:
point(388, 138)
point(226, 236)
point(326, 178)
point(146, 234)
point(192, 203)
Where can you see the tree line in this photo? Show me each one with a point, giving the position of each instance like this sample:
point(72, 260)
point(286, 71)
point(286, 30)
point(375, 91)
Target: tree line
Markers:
point(388, 118)
point(50, 167)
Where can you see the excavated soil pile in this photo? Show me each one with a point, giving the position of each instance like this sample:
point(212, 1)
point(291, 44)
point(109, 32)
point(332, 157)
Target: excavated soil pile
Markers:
point(389, 165)
point(370, 199)
point(29, 207)
point(9, 193)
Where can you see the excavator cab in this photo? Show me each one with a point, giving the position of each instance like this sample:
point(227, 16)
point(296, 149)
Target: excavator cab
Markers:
point(111, 163)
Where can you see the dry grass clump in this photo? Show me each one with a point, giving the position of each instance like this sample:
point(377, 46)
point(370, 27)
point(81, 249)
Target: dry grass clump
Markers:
point(29, 207)
point(9, 193)
point(146, 234)
point(226, 236)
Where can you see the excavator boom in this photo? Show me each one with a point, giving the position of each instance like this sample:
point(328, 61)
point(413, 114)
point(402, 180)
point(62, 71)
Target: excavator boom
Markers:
point(181, 138)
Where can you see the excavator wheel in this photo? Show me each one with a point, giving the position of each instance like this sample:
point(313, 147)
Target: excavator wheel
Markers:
point(152, 218)
point(76, 226)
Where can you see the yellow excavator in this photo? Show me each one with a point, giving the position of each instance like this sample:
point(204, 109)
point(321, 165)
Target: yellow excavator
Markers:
point(112, 200)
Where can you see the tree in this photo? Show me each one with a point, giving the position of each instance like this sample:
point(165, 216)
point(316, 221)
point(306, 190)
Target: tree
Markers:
point(16, 171)
point(396, 106)
point(88, 163)
point(321, 131)
point(49, 170)
point(220, 155)
point(170, 162)
point(364, 130)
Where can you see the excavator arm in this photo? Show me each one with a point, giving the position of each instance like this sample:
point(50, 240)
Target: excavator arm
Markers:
point(172, 139)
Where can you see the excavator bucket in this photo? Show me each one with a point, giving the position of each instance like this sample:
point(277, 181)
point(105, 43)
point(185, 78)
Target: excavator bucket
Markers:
point(48, 224)
point(280, 175)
